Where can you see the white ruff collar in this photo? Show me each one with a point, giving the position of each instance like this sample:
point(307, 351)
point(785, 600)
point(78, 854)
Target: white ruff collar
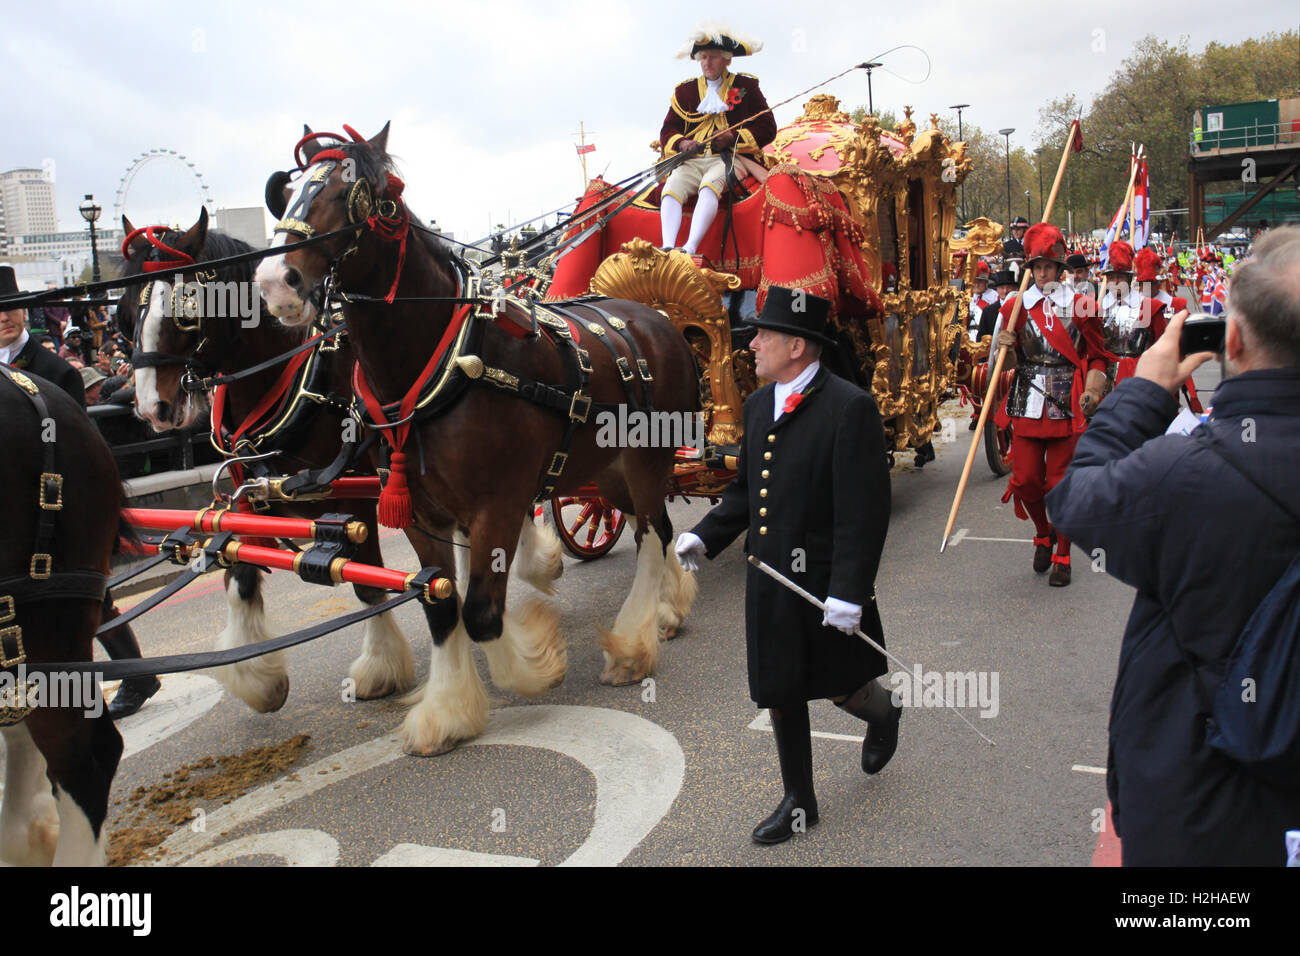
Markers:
point(712, 102)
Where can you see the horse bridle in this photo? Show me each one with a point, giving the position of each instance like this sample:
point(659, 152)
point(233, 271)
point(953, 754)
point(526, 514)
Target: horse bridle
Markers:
point(185, 309)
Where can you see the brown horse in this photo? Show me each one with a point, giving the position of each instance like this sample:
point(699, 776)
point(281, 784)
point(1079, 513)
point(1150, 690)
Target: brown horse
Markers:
point(226, 332)
point(56, 537)
point(232, 340)
point(479, 458)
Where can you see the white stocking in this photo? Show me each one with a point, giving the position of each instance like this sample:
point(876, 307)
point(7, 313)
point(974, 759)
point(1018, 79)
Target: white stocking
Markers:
point(670, 220)
point(706, 207)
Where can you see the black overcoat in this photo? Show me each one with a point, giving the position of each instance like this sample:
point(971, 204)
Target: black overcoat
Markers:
point(812, 490)
point(1202, 546)
point(41, 361)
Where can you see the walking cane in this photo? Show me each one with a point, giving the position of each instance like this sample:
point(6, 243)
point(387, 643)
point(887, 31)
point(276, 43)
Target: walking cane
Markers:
point(1075, 137)
point(776, 575)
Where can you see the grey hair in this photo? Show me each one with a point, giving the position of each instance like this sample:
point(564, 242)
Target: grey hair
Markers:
point(1265, 294)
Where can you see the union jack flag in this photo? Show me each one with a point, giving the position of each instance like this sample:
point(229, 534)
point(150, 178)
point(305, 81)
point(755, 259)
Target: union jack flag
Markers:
point(1214, 295)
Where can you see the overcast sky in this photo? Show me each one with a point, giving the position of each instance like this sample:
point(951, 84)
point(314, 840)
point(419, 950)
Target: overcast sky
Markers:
point(485, 98)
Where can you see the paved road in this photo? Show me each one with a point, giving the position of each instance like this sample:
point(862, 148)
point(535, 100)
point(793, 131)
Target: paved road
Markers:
point(678, 772)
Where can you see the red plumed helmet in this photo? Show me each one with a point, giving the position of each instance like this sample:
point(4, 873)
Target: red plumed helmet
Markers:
point(1121, 257)
point(981, 269)
point(1148, 265)
point(1044, 241)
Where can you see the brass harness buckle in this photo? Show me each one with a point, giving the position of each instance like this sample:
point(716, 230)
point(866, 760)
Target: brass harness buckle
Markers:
point(46, 561)
point(57, 503)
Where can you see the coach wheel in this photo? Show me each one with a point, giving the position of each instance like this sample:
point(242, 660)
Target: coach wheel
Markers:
point(997, 447)
point(589, 527)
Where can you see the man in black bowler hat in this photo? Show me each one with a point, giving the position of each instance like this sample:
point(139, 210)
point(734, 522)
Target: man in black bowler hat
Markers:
point(812, 490)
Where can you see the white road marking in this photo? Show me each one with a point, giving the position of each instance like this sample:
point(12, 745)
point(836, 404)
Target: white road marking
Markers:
point(1007, 540)
point(763, 722)
point(295, 847)
point(413, 854)
point(183, 699)
point(958, 537)
point(1084, 768)
point(638, 766)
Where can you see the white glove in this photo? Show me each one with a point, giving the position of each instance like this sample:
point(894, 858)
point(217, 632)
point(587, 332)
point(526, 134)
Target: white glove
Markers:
point(689, 551)
point(842, 615)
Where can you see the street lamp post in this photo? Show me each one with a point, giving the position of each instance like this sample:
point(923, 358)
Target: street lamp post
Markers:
point(871, 106)
point(90, 211)
point(1029, 209)
point(1006, 134)
point(959, 107)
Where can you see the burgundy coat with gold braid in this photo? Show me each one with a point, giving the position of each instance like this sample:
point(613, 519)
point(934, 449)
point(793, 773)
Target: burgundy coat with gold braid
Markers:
point(745, 100)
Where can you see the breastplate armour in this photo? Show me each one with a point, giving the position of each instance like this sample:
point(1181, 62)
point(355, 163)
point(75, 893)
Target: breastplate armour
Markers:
point(1035, 358)
point(1125, 332)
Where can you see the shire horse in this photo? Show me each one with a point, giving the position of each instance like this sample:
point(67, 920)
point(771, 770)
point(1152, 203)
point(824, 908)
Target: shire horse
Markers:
point(478, 459)
point(56, 538)
point(217, 333)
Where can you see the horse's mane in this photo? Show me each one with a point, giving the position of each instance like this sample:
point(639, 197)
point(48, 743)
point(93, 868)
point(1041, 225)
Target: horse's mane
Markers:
point(217, 245)
point(374, 164)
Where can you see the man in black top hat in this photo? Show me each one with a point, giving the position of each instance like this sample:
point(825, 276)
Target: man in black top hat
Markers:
point(1077, 275)
point(1013, 249)
point(812, 490)
point(21, 350)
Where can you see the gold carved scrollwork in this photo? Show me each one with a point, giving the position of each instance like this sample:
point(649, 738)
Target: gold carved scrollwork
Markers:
point(692, 298)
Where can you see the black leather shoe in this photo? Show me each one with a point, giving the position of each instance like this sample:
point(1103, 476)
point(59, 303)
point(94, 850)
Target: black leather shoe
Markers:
point(881, 742)
point(780, 826)
point(924, 455)
point(1043, 552)
point(131, 696)
point(1060, 576)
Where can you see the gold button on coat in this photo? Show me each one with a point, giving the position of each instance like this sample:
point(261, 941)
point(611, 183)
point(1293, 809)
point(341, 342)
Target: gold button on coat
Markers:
point(762, 512)
point(762, 492)
point(766, 472)
point(763, 530)
point(767, 456)
point(771, 439)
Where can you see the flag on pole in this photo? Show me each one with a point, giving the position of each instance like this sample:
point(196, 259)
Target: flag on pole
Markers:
point(1076, 136)
point(1116, 224)
point(588, 148)
point(1141, 208)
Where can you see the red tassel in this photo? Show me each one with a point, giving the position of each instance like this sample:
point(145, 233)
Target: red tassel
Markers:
point(395, 499)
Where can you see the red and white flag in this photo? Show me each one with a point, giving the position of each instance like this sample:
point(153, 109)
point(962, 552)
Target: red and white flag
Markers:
point(589, 148)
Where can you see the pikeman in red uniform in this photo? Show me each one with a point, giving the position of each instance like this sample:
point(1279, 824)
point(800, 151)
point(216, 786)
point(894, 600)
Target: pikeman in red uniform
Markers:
point(1060, 362)
point(1130, 321)
point(1147, 263)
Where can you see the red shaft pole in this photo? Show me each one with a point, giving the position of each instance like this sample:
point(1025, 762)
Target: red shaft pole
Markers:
point(220, 519)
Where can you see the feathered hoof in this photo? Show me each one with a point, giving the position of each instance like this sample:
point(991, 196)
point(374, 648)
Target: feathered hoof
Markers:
point(626, 661)
point(261, 683)
point(376, 676)
point(423, 736)
point(530, 657)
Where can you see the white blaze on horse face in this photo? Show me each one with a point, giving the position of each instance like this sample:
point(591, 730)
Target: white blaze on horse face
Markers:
point(147, 398)
point(283, 302)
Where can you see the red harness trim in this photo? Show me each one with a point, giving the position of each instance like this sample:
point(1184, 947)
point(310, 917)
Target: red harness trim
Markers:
point(395, 500)
point(272, 398)
point(154, 234)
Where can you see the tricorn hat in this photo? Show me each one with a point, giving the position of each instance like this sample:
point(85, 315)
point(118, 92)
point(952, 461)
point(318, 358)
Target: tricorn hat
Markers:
point(1044, 241)
point(712, 35)
point(1148, 265)
point(795, 312)
point(8, 282)
point(1120, 258)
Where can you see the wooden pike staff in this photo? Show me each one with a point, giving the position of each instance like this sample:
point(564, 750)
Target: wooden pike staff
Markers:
point(1128, 198)
point(1075, 136)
